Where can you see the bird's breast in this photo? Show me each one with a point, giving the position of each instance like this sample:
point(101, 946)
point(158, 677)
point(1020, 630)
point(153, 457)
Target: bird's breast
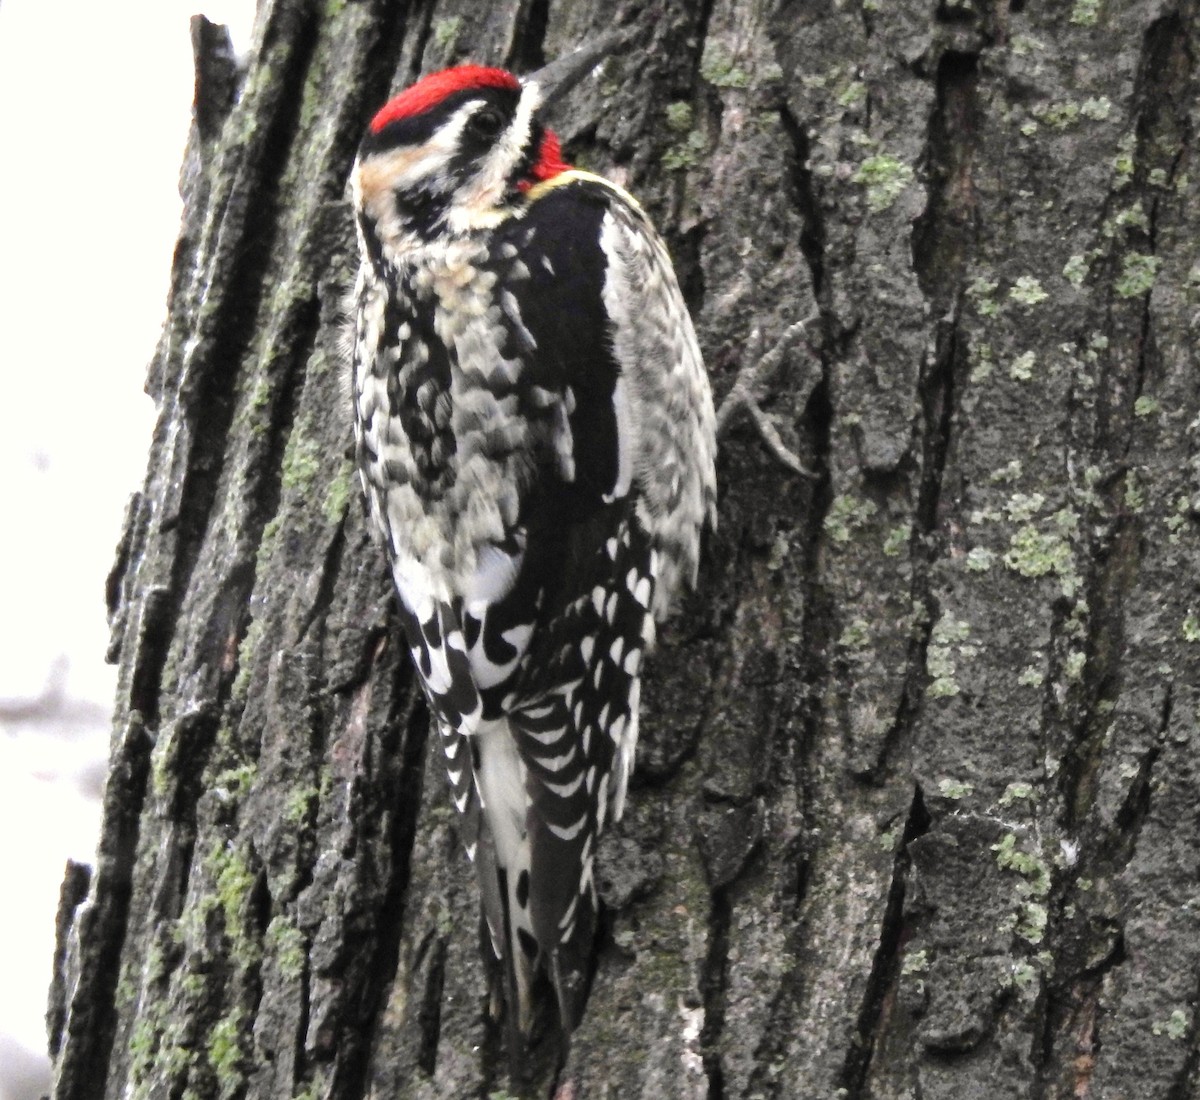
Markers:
point(444, 448)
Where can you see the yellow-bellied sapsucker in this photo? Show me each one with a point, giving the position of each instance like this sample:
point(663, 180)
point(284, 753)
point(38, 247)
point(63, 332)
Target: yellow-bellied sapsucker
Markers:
point(535, 438)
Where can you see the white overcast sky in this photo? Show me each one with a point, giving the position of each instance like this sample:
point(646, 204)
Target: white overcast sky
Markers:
point(95, 103)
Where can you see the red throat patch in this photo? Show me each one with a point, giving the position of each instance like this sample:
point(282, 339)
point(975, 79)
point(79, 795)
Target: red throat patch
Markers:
point(432, 89)
point(549, 163)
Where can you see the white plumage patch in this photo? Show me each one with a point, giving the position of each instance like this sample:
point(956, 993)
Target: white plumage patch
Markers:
point(493, 577)
point(501, 779)
point(627, 442)
point(569, 832)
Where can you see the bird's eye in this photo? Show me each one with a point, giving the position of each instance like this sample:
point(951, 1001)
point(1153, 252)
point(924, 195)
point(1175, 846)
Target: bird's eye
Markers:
point(487, 122)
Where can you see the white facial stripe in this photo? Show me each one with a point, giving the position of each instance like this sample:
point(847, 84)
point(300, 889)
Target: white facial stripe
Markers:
point(431, 171)
point(378, 178)
point(531, 93)
point(410, 166)
point(485, 189)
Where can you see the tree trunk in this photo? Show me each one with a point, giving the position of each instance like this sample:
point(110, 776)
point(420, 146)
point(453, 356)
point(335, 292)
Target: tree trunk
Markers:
point(915, 806)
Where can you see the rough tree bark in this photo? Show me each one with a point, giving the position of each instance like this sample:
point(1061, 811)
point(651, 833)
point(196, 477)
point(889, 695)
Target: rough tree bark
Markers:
point(915, 813)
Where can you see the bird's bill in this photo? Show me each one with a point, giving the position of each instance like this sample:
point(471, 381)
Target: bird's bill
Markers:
point(561, 75)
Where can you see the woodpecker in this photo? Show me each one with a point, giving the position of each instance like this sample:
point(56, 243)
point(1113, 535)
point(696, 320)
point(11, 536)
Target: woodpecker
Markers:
point(535, 437)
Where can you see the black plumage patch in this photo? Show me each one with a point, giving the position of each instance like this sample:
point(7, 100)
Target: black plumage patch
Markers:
point(522, 174)
point(528, 943)
point(371, 243)
point(559, 290)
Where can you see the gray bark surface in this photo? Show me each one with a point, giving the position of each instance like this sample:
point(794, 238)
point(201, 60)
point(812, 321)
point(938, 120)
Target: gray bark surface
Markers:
point(917, 807)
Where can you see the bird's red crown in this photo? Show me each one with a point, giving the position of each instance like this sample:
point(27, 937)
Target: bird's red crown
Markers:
point(431, 90)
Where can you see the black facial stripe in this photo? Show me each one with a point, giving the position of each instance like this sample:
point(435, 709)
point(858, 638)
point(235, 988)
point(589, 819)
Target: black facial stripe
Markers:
point(418, 129)
point(524, 169)
point(421, 212)
point(475, 144)
point(371, 241)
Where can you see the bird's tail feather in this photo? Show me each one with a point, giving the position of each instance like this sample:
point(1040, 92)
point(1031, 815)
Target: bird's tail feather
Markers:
point(511, 936)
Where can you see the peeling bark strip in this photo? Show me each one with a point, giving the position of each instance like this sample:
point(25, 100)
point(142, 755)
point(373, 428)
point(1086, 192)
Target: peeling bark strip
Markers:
point(919, 773)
